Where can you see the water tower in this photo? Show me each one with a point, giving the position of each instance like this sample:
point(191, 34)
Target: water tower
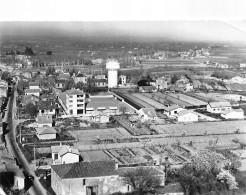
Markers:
point(112, 67)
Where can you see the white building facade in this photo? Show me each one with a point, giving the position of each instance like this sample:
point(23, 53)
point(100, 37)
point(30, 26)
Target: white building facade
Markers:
point(112, 67)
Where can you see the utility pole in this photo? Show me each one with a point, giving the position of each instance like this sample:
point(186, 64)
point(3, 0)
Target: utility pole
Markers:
point(34, 155)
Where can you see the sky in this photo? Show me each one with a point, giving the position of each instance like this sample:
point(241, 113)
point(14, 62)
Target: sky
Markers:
point(121, 10)
point(181, 19)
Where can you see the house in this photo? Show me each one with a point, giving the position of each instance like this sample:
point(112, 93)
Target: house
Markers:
point(64, 154)
point(92, 178)
point(33, 85)
point(218, 107)
point(161, 83)
point(100, 76)
point(233, 114)
point(80, 78)
point(35, 92)
point(100, 108)
point(59, 84)
point(29, 99)
point(147, 113)
point(47, 107)
point(99, 82)
point(85, 178)
point(46, 133)
point(147, 89)
point(63, 76)
point(73, 102)
point(122, 79)
point(44, 120)
point(187, 116)
point(27, 75)
point(19, 178)
point(172, 110)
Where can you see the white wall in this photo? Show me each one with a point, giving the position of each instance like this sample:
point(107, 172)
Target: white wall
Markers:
point(217, 110)
point(46, 136)
point(190, 117)
point(69, 158)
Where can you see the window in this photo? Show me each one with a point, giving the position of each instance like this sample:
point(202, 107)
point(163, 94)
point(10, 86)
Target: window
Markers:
point(70, 96)
point(83, 182)
point(214, 109)
point(175, 112)
point(70, 101)
point(71, 111)
point(56, 156)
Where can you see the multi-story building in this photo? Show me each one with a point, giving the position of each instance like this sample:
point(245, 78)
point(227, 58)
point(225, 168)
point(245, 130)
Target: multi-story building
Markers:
point(73, 101)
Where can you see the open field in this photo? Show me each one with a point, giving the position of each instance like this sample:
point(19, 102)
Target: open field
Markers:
point(221, 127)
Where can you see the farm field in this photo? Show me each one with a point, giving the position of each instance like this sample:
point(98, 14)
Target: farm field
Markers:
point(221, 127)
point(95, 134)
point(237, 86)
point(210, 97)
point(173, 100)
point(188, 99)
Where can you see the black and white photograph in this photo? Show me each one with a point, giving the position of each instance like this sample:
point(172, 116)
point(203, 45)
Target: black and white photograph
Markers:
point(123, 97)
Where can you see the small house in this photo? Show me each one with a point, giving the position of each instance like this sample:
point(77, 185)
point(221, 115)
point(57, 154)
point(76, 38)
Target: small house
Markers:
point(148, 113)
point(172, 110)
point(35, 92)
point(233, 114)
point(33, 85)
point(44, 120)
point(46, 107)
point(218, 107)
point(46, 133)
point(187, 116)
point(19, 178)
point(64, 154)
point(59, 84)
point(29, 99)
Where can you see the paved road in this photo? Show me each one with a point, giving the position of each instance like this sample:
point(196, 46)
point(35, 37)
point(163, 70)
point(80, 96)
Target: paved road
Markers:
point(37, 188)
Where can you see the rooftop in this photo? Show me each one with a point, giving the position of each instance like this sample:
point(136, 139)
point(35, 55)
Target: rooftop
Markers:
point(172, 107)
point(85, 169)
point(44, 119)
point(150, 112)
point(32, 91)
point(46, 105)
point(45, 130)
point(33, 84)
point(219, 104)
point(75, 92)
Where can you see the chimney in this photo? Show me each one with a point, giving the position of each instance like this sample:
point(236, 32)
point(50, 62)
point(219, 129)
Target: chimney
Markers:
point(116, 165)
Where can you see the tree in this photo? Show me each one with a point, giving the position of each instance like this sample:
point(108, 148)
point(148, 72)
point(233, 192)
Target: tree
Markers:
point(174, 79)
point(50, 71)
point(123, 109)
point(69, 84)
point(143, 83)
point(31, 109)
point(80, 85)
point(49, 53)
point(6, 76)
point(29, 51)
point(141, 179)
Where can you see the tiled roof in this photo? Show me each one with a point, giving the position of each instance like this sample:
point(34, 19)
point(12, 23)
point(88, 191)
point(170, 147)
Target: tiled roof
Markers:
point(32, 91)
point(99, 80)
point(63, 97)
point(74, 92)
point(153, 170)
point(80, 75)
point(61, 81)
point(33, 84)
point(150, 112)
point(64, 76)
point(172, 107)
point(46, 105)
point(55, 149)
point(67, 149)
point(44, 119)
point(45, 130)
point(233, 110)
point(219, 104)
point(184, 112)
point(85, 169)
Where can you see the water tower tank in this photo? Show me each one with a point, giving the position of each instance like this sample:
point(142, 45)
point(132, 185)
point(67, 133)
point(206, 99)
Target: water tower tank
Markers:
point(112, 67)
